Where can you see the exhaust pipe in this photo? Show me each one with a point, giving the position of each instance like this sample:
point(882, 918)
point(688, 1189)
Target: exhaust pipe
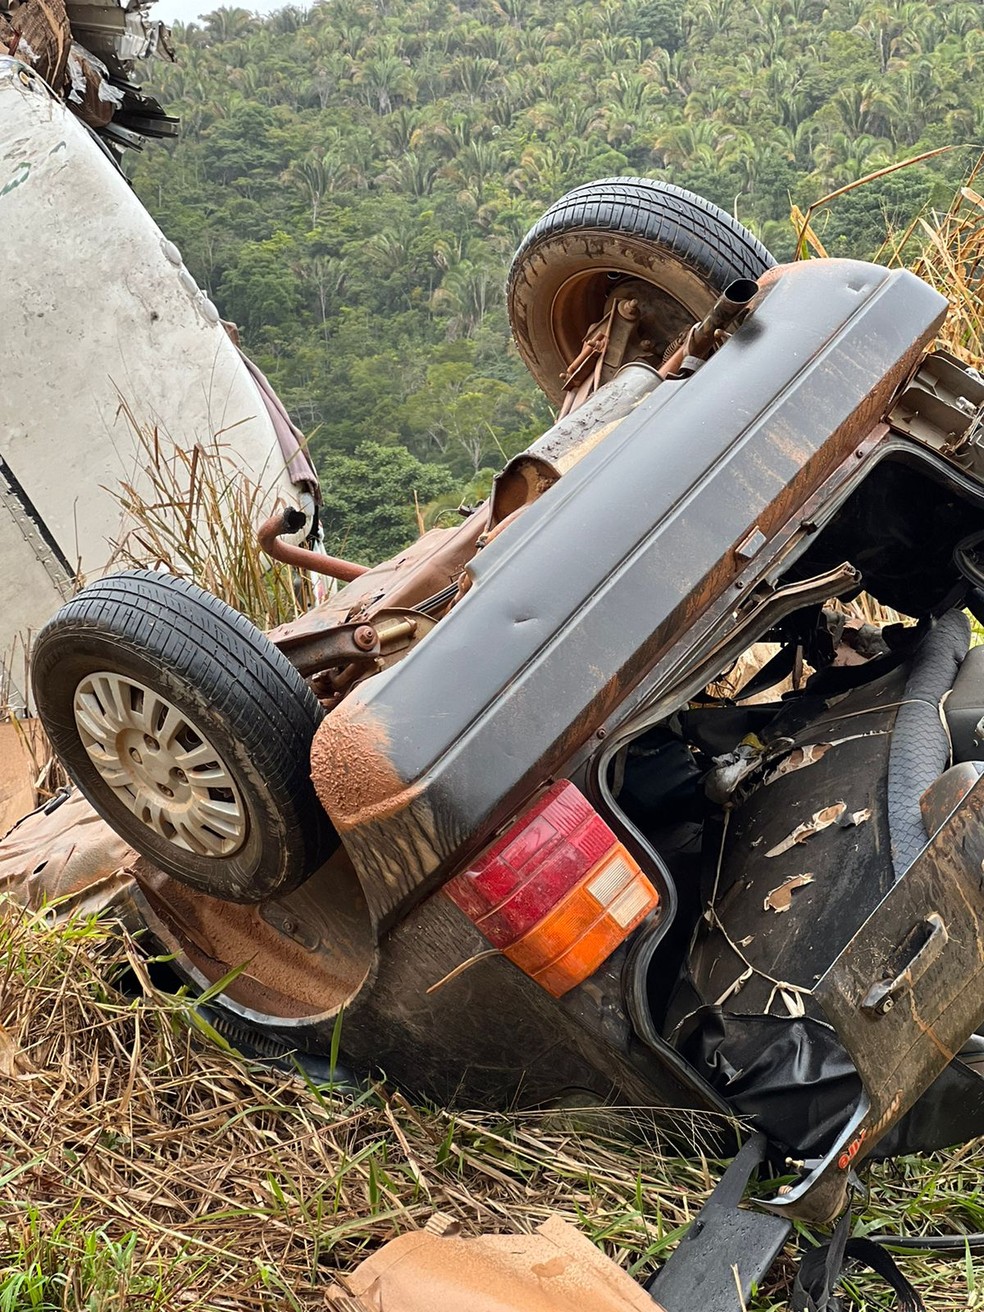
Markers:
point(723, 312)
point(289, 520)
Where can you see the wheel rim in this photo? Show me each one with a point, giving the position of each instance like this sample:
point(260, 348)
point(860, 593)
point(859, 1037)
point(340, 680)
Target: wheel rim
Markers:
point(580, 300)
point(160, 765)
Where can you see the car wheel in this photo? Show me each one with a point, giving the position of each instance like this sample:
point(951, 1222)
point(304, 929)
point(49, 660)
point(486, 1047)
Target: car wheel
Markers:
point(188, 731)
point(605, 232)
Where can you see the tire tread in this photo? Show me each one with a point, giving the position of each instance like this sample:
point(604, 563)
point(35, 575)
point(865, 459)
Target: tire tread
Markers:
point(198, 639)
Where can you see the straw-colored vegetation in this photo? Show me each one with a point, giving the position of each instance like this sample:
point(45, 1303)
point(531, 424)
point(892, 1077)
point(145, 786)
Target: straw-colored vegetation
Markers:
point(195, 514)
point(143, 1166)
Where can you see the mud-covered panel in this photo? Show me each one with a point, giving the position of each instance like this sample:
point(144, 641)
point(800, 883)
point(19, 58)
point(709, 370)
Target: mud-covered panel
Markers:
point(65, 853)
point(616, 560)
point(440, 990)
point(908, 990)
point(903, 997)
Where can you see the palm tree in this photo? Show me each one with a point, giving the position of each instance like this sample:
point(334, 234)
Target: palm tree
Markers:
point(472, 167)
point(412, 173)
point(959, 19)
point(684, 143)
point(604, 51)
point(474, 74)
point(918, 95)
point(845, 157)
point(309, 176)
point(401, 127)
point(671, 71)
point(325, 277)
point(465, 295)
point(229, 24)
point(385, 79)
point(706, 18)
point(287, 20)
point(333, 72)
point(391, 248)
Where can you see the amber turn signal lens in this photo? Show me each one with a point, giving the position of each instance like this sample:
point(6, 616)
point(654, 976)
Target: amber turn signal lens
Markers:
point(557, 893)
point(582, 932)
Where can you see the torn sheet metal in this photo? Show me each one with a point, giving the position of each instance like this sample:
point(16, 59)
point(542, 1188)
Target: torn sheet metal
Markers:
point(38, 32)
point(153, 341)
point(64, 853)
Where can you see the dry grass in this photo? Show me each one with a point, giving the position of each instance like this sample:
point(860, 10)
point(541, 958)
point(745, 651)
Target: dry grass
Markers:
point(144, 1165)
point(195, 513)
point(947, 251)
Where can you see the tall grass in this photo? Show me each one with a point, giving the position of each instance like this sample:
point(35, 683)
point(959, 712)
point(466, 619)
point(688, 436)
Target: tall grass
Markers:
point(145, 1166)
point(946, 249)
point(193, 512)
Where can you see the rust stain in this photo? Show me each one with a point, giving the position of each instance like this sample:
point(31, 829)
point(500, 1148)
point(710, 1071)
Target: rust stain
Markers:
point(351, 770)
point(925, 1027)
point(279, 976)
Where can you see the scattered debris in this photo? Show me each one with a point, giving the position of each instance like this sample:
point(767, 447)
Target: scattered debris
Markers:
point(553, 1268)
point(818, 822)
point(798, 759)
point(732, 769)
point(780, 898)
point(88, 53)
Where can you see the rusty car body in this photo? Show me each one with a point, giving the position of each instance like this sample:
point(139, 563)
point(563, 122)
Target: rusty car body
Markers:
point(808, 954)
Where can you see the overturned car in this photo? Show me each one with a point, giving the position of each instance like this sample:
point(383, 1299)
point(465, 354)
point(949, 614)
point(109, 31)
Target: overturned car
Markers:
point(603, 791)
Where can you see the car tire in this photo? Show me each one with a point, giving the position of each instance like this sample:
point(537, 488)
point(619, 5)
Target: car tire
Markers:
point(188, 732)
point(606, 231)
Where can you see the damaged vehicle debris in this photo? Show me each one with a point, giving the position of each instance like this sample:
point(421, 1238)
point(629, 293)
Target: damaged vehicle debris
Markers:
point(87, 55)
point(160, 389)
point(603, 791)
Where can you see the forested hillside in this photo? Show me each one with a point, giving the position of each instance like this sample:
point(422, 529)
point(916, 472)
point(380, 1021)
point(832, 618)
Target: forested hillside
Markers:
point(352, 180)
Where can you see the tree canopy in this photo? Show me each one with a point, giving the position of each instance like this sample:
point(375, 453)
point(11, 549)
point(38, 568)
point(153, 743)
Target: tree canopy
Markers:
point(353, 179)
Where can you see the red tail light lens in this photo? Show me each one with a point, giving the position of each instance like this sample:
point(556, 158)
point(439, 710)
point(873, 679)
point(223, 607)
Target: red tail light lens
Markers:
point(558, 892)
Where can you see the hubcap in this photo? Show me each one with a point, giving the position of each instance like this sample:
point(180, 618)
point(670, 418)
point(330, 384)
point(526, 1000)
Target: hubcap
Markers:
point(160, 765)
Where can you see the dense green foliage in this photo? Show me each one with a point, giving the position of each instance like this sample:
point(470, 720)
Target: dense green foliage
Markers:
point(353, 180)
point(369, 497)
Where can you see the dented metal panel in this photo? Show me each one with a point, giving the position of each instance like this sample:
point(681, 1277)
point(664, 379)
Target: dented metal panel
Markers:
point(115, 320)
point(663, 504)
point(904, 996)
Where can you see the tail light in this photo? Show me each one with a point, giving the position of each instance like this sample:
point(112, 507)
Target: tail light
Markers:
point(557, 893)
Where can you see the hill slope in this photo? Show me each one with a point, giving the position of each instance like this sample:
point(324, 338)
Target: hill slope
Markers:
point(352, 180)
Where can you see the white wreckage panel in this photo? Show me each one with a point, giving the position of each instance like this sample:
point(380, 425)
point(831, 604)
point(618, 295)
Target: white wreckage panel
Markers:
point(99, 313)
